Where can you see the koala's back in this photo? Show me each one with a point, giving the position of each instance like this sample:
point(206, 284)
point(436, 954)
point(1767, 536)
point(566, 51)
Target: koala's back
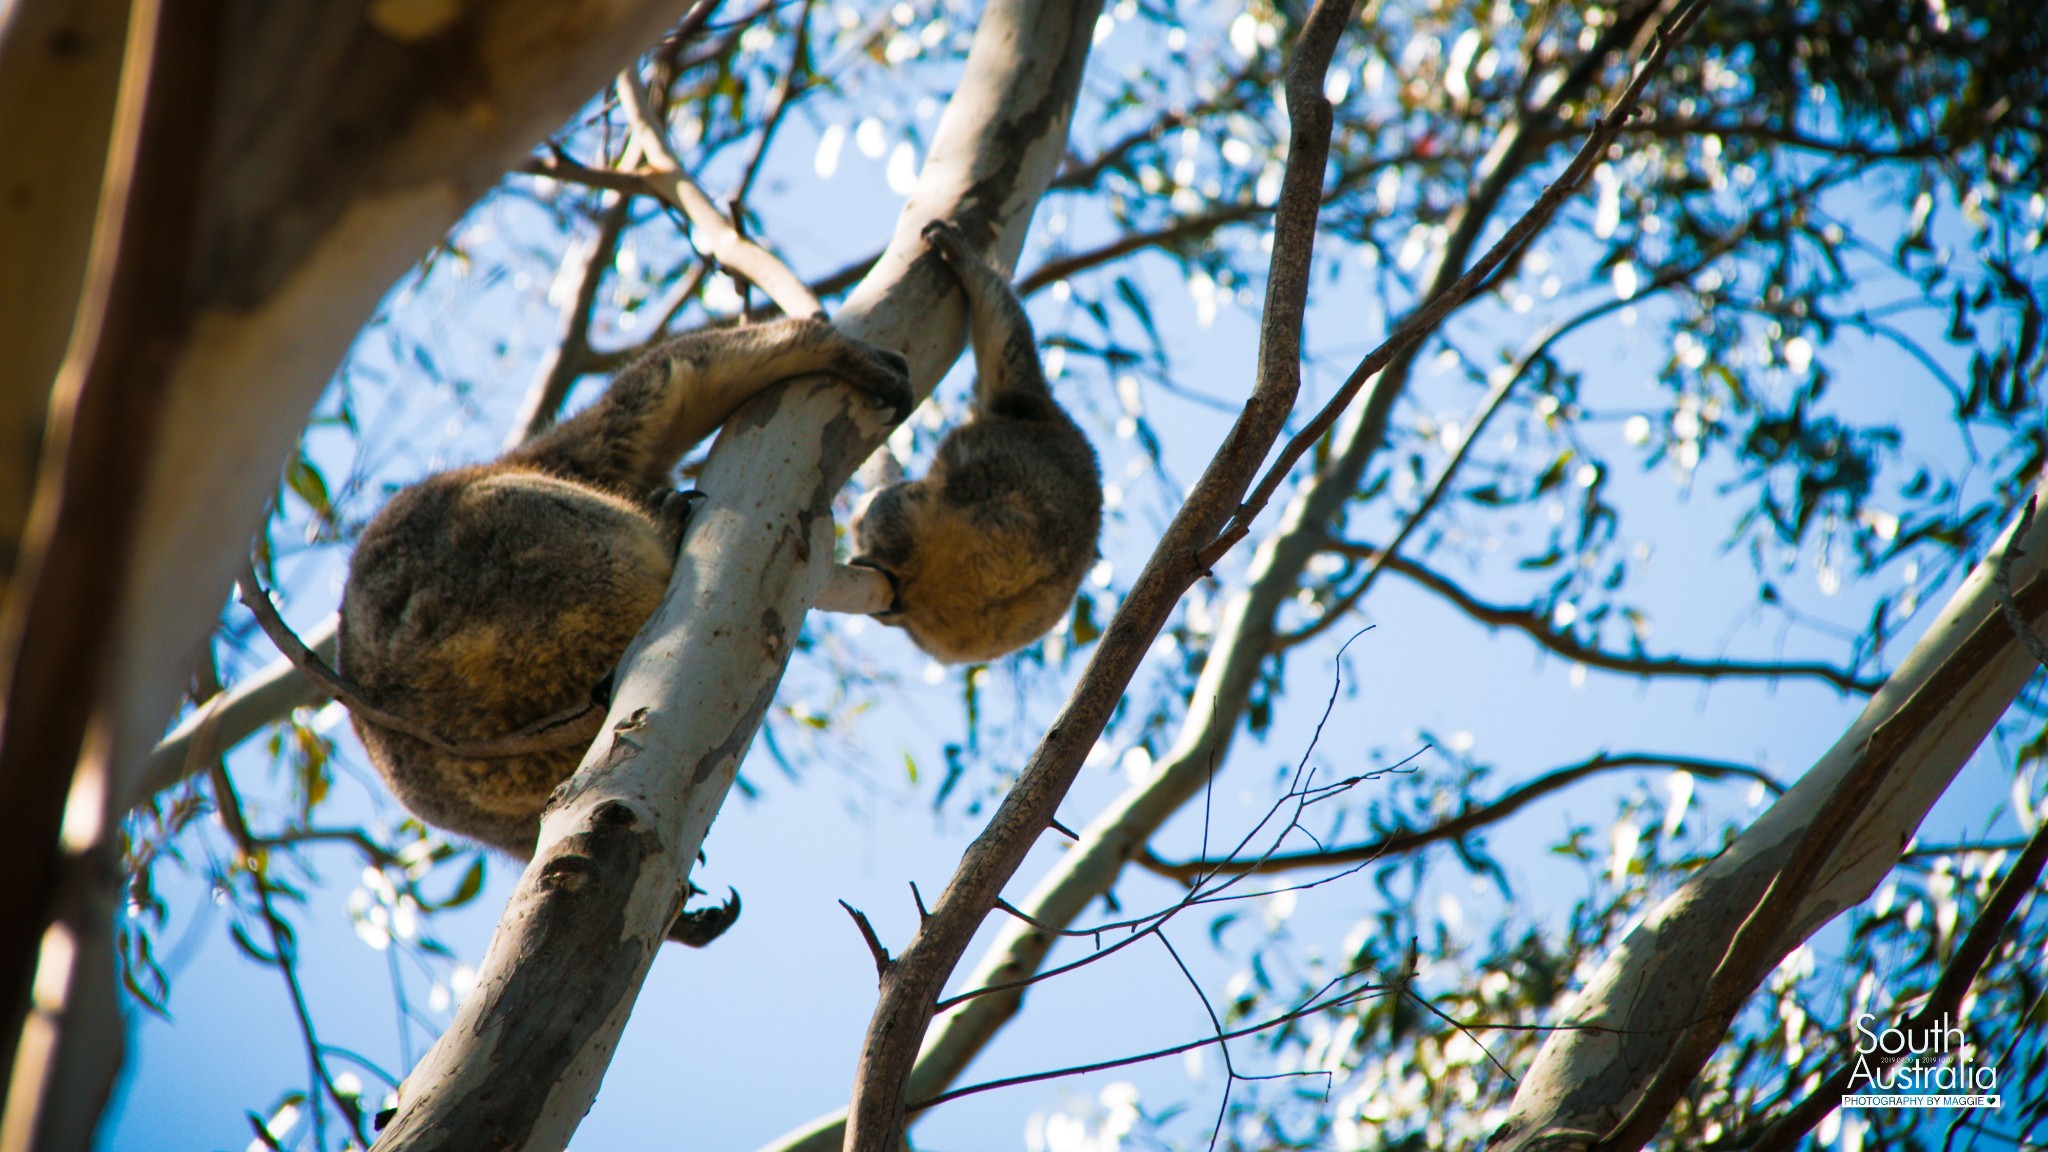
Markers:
point(478, 602)
point(1008, 518)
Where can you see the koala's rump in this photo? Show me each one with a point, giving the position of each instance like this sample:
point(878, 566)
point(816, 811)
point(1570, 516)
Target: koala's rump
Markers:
point(479, 602)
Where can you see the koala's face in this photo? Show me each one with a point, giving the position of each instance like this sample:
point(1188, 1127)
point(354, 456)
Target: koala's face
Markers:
point(884, 527)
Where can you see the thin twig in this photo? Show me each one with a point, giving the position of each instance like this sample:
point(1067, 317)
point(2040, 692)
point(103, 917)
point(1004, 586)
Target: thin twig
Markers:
point(1456, 827)
point(1426, 319)
point(712, 233)
point(284, 954)
point(1305, 1010)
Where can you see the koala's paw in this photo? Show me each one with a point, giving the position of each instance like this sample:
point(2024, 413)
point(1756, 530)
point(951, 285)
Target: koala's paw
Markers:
point(945, 239)
point(672, 512)
point(881, 373)
point(704, 925)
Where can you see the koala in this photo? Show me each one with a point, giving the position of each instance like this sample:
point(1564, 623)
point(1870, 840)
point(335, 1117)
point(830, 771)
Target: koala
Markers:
point(483, 599)
point(985, 552)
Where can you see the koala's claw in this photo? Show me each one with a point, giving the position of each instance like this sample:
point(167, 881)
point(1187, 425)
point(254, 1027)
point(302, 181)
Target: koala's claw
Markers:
point(702, 926)
point(885, 375)
point(672, 512)
point(945, 239)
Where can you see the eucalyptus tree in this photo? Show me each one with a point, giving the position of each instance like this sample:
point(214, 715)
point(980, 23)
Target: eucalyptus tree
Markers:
point(1778, 328)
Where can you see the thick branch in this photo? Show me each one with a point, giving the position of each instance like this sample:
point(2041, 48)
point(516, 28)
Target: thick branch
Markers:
point(1649, 1010)
point(1534, 622)
point(57, 1058)
point(611, 865)
point(1945, 1000)
point(60, 65)
point(911, 986)
point(1471, 820)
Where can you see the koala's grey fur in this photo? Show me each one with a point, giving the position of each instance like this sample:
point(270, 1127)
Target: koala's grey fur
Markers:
point(483, 599)
point(986, 551)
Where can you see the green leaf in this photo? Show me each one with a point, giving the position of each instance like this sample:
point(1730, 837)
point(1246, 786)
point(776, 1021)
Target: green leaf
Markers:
point(465, 891)
point(306, 482)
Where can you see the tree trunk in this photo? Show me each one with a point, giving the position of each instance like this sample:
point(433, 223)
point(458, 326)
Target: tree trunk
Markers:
point(1919, 729)
point(524, 1055)
point(60, 62)
point(344, 138)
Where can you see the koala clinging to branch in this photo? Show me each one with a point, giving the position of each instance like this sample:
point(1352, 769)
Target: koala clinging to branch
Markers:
point(483, 599)
point(986, 551)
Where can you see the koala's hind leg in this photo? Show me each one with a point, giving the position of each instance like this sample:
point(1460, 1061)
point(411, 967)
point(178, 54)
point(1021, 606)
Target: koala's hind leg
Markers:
point(1009, 380)
point(681, 391)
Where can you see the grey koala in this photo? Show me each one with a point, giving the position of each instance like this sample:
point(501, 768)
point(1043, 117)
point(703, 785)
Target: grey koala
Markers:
point(482, 599)
point(985, 553)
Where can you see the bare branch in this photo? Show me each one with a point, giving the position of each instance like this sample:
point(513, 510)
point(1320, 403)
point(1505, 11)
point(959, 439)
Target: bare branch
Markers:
point(786, 92)
point(1309, 1009)
point(568, 357)
point(284, 955)
point(1442, 303)
point(1472, 819)
point(876, 1112)
point(711, 232)
point(1532, 621)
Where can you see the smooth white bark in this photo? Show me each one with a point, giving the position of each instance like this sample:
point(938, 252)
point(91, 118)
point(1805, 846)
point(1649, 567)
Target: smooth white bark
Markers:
point(1650, 987)
point(559, 979)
